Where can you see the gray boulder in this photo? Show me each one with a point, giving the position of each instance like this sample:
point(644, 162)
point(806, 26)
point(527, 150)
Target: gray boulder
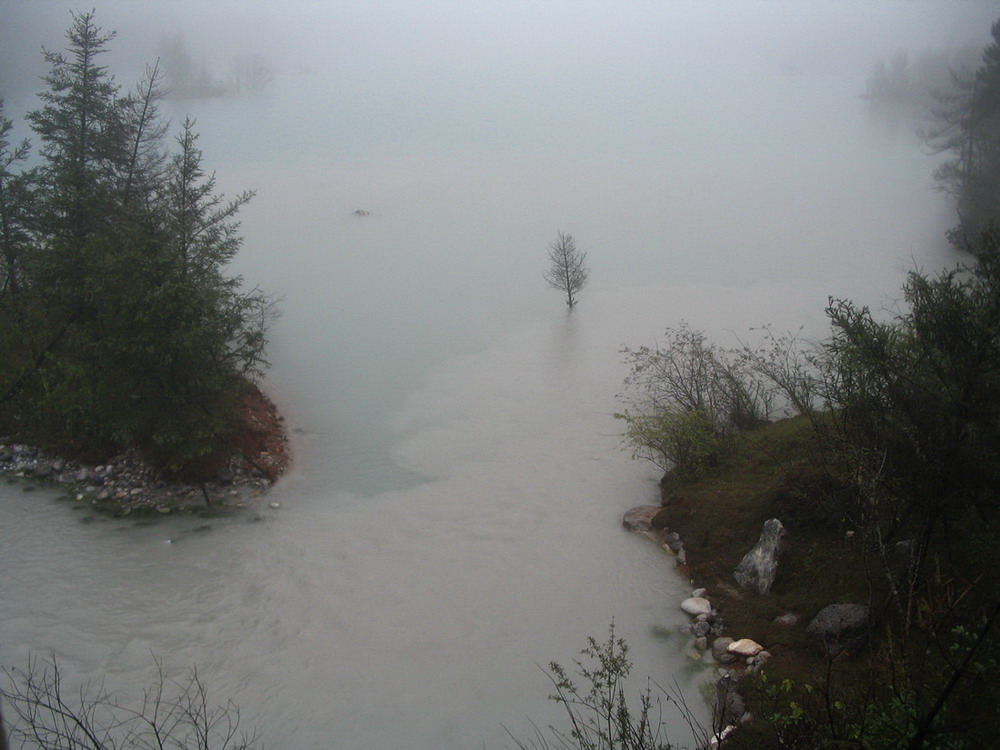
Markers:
point(840, 629)
point(759, 566)
point(640, 518)
point(720, 651)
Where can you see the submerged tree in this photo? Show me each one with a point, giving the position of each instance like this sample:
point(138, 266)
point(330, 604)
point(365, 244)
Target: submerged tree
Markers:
point(568, 270)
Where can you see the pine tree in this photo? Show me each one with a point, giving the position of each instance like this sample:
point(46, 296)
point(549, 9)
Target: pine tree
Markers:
point(131, 335)
point(969, 128)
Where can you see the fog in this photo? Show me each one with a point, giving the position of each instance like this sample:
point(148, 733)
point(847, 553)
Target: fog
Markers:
point(452, 519)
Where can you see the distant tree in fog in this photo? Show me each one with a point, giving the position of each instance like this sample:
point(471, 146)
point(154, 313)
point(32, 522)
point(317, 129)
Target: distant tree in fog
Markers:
point(250, 73)
point(186, 78)
point(568, 270)
point(968, 127)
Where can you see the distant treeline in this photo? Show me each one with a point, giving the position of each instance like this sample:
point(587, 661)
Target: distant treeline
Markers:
point(968, 129)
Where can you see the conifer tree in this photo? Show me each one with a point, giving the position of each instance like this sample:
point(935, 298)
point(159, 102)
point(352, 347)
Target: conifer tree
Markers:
point(130, 334)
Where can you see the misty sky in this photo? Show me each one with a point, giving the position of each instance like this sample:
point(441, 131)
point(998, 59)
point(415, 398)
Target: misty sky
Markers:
point(493, 48)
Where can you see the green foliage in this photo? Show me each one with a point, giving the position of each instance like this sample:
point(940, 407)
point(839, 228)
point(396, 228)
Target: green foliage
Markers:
point(917, 399)
point(121, 329)
point(684, 442)
point(686, 398)
point(907, 411)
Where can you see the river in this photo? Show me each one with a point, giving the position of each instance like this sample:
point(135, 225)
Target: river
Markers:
point(452, 520)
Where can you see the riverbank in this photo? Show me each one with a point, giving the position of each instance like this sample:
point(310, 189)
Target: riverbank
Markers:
point(711, 523)
point(124, 485)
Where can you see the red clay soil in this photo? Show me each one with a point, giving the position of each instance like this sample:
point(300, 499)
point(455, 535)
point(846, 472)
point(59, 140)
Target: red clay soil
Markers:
point(262, 439)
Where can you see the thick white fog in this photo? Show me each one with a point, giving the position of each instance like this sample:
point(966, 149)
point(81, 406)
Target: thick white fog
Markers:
point(452, 519)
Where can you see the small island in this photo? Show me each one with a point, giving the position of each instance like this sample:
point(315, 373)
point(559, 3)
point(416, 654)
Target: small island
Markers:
point(129, 357)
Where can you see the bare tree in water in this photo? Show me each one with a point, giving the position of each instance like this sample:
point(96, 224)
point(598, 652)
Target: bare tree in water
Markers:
point(568, 270)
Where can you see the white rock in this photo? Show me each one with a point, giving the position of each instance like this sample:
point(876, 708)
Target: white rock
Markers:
point(697, 605)
point(718, 739)
point(698, 592)
point(275, 505)
point(744, 647)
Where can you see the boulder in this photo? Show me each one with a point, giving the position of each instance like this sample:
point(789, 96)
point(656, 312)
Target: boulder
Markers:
point(701, 628)
point(759, 566)
point(720, 650)
point(697, 605)
point(744, 647)
point(840, 629)
point(729, 704)
point(640, 518)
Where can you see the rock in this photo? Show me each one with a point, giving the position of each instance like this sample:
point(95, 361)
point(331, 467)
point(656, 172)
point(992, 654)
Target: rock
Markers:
point(697, 605)
point(672, 540)
point(744, 647)
point(640, 518)
point(757, 663)
point(729, 704)
point(720, 650)
point(717, 740)
point(701, 643)
point(840, 629)
point(789, 619)
point(759, 566)
point(701, 628)
point(698, 592)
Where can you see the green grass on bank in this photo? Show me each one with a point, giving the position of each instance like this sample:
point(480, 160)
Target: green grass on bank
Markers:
point(777, 471)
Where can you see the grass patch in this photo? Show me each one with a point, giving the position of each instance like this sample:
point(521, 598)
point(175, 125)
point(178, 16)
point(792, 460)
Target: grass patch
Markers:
point(777, 471)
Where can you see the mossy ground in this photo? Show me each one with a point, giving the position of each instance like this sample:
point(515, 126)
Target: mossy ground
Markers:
point(779, 472)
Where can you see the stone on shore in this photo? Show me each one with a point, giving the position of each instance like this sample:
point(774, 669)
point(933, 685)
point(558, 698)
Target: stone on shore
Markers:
point(640, 518)
point(840, 629)
point(759, 566)
point(720, 650)
point(744, 647)
point(697, 605)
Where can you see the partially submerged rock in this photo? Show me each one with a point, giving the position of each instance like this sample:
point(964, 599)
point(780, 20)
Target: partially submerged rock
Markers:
point(697, 605)
point(759, 566)
point(640, 518)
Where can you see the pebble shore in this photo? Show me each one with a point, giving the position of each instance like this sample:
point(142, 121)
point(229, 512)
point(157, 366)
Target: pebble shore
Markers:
point(125, 484)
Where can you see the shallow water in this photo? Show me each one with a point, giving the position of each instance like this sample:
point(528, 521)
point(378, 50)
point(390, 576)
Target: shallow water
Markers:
point(452, 520)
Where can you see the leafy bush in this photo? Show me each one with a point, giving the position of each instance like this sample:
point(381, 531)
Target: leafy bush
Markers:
point(685, 443)
point(686, 398)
